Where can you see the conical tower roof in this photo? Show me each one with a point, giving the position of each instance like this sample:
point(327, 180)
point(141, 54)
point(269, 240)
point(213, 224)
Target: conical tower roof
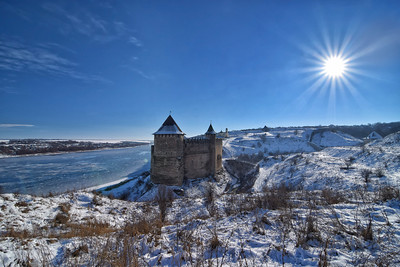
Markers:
point(169, 127)
point(210, 130)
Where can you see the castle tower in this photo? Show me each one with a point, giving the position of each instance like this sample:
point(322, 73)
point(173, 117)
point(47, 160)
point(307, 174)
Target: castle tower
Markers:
point(167, 154)
point(212, 135)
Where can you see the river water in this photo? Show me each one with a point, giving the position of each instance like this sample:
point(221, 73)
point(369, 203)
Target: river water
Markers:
point(59, 173)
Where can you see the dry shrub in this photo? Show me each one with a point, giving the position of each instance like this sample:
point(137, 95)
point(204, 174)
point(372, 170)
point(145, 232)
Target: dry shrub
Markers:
point(379, 172)
point(143, 227)
point(237, 203)
point(387, 193)
point(22, 204)
point(214, 241)
point(81, 249)
point(276, 198)
point(61, 218)
point(348, 162)
point(125, 195)
point(332, 197)
point(312, 232)
point(365, 173)
point(164, 198)
point(231, 204)
point(209, 199)
point(273, 199)
point(96, 201)
point(323, 255)
point(188, 242)
point(366, 232)
point(118, 251)
point(65, 207)
point(25, 210)
point(209, 193)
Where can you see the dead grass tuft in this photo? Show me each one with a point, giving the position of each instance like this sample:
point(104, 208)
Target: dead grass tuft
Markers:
point(65, 207)
point(19, 234)
point(143, 227)
point(90, 228)
point(22, 204)
point(61, 218)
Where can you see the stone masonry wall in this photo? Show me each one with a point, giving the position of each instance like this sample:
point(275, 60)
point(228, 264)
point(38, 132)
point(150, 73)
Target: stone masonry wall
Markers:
point(197, 159)
point(167, 166)
point(218, 151)
point(173, 158)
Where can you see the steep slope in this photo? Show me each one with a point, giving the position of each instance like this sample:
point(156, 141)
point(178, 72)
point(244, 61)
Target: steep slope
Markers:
point(326, 138)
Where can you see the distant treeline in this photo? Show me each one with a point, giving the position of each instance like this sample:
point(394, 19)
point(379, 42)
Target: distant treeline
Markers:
point(38, 146)
point(359, 131)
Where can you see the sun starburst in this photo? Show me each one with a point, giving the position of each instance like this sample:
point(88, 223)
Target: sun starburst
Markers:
point(335, 66)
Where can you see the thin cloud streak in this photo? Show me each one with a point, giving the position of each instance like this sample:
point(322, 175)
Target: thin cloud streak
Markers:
point(17, 11)
point(16, 57)
point(10, 125)
point(91, 25)
point(139, 72)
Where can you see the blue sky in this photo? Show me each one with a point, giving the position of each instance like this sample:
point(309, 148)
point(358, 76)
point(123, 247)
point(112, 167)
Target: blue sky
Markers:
point(115, 69)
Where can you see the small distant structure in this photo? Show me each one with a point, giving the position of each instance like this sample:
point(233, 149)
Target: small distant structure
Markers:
point(226, 133)
point(374, 136)
point(174, 157)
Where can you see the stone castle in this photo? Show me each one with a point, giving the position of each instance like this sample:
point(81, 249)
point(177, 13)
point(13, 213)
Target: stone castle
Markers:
point(175, 157)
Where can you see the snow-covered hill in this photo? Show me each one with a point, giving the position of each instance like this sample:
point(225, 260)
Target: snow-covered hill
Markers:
point(328, 138)
point(268, 143)
point(389, 141)
point(315, 198)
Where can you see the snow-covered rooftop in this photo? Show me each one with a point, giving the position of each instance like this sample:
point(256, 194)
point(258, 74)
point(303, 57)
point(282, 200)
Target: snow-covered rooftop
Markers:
point(169, 127)
point(210, 130)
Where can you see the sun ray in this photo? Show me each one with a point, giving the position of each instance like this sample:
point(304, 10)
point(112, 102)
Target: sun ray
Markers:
point(332, 100)
point(317, 83)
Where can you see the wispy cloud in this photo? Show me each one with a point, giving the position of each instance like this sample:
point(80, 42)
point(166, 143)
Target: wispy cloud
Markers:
point(14, 56)
point(86, 23)
point(8, 90)
point(133, 40)
point(139, 72)
point(15, 10)
point(10, 125)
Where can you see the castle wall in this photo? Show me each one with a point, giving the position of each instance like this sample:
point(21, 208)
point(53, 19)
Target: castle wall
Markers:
point(218, 151)
point(174, 158)
point(167, 159)
point(197, 158)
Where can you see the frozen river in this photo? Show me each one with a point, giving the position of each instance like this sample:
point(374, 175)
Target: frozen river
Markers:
point(62, 172)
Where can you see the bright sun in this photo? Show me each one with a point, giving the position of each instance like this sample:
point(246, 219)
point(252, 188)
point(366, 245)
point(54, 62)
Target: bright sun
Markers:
point(334, 66)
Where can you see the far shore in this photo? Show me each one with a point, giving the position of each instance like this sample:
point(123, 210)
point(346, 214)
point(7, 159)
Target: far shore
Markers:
point(3, 156)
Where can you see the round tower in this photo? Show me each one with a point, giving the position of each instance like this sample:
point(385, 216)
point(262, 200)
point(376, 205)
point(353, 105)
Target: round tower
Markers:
point(167, 162)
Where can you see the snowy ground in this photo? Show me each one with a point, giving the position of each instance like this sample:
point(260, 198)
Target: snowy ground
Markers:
point(334, 202)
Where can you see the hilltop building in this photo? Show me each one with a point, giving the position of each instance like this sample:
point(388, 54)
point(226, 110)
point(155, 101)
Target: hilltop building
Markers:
point(175, 158)
point(374, 136)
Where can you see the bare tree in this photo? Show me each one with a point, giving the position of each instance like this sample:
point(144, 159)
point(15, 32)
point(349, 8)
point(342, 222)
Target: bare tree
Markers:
point(164, 198)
